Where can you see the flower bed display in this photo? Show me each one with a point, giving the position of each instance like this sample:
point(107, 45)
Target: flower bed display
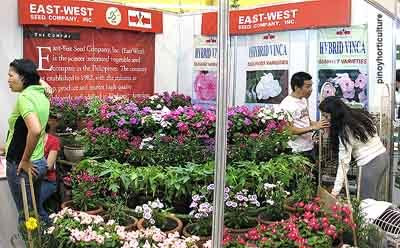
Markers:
point(162, 147)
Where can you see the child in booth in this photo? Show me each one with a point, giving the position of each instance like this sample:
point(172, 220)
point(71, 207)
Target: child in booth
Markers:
point(49, 184)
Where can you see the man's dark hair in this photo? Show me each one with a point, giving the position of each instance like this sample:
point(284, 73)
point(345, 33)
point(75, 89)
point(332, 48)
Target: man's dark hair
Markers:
point(27, 70)
point(398, 75)
point(298, 79)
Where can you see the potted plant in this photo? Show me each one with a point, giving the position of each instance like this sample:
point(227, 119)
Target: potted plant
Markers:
point(241, 209)
point(274, 198)
point(118, 211)
point(77, 229)
point(152, 214)
point(74, 150)
point(86, 194)
point(201, 219)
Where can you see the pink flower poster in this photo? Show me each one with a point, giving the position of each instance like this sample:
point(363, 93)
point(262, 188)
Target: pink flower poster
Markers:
point(205, 70)
point(343, 64)
point(267, 68)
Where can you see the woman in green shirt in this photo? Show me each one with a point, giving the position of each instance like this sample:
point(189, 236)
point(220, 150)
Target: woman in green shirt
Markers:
point(25, 139)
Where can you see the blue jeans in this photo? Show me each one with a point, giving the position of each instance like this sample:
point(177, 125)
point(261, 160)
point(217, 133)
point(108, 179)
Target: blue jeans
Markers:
point(46, 190)
point(14, 182)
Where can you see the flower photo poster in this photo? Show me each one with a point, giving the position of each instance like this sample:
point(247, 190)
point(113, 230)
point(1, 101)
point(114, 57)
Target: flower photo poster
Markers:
point(343, 64)
point(205, 70)
point(267, 68)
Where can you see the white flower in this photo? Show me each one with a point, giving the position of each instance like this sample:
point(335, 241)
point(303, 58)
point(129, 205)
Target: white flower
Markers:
point(269, 186)
point(211, 187)
point(158, 106)
point(234, 204)
point(196, 198)
point(270, 202)
point(147, 216)
point(50, 230)
point(138, 209)
point(268, 87)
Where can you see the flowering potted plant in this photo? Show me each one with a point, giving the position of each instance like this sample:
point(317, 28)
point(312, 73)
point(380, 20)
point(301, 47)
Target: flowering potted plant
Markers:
point(201, 215)
point(77, 229)
point(74, 150)
point(117, 210)
point(274, 197)
point(241, 208)
point(86, 194)
point(312, 229)
point(153, 215)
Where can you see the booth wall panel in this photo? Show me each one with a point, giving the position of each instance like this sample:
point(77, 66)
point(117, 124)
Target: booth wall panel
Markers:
point(166, 55)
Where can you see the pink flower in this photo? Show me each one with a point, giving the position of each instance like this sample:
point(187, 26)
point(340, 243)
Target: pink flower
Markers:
point(182, 127)
point(361, 81)
point(346, 85)
point(205, 86)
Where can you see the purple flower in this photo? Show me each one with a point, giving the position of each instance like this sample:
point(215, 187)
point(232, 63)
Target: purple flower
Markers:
point(121, 122)
point(247, 121)
point(133, 121)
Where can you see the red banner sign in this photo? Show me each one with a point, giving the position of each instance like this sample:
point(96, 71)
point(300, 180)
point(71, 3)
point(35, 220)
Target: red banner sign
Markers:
point(307, 14)
point(89, 14)
point(92, 62)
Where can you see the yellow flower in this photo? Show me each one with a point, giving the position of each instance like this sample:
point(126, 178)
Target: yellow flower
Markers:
point(31, 224)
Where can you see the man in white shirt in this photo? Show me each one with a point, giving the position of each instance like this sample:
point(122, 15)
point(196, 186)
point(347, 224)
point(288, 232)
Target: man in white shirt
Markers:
point(296, 105)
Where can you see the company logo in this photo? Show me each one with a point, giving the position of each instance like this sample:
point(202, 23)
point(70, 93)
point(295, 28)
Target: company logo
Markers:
point(113, 16)
point(139, 19)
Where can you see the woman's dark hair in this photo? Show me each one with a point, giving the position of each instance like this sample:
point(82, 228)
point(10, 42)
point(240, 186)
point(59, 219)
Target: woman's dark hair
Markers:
point(27, 70)
point(398, 75)
point(345, 120)
point(298, 79)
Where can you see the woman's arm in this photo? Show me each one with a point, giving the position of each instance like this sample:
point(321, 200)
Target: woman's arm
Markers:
point(34, 129)
point(343, 168)
point(51, 159)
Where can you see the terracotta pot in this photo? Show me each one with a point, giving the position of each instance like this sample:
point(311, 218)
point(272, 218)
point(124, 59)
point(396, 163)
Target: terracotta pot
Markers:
point(262, 220)
point(241, 231)
point(291, 209)
point(178, 228)
point(203, 239)
point(74, 154)
point(132, 226)
point(97, 211)
point(129, 227)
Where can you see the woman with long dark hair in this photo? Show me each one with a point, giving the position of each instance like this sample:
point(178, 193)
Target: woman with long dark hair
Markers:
point(354, 134)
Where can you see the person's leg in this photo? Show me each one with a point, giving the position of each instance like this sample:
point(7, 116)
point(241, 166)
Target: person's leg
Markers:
point(41, 166)
point(371, 177)
point(46, 190)
point(15, 188)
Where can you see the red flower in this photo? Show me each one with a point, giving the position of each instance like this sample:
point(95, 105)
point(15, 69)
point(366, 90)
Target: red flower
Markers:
point(89, 193)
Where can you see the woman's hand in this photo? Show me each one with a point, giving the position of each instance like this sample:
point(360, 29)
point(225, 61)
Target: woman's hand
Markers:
point(27, 166)
point(47, 88)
